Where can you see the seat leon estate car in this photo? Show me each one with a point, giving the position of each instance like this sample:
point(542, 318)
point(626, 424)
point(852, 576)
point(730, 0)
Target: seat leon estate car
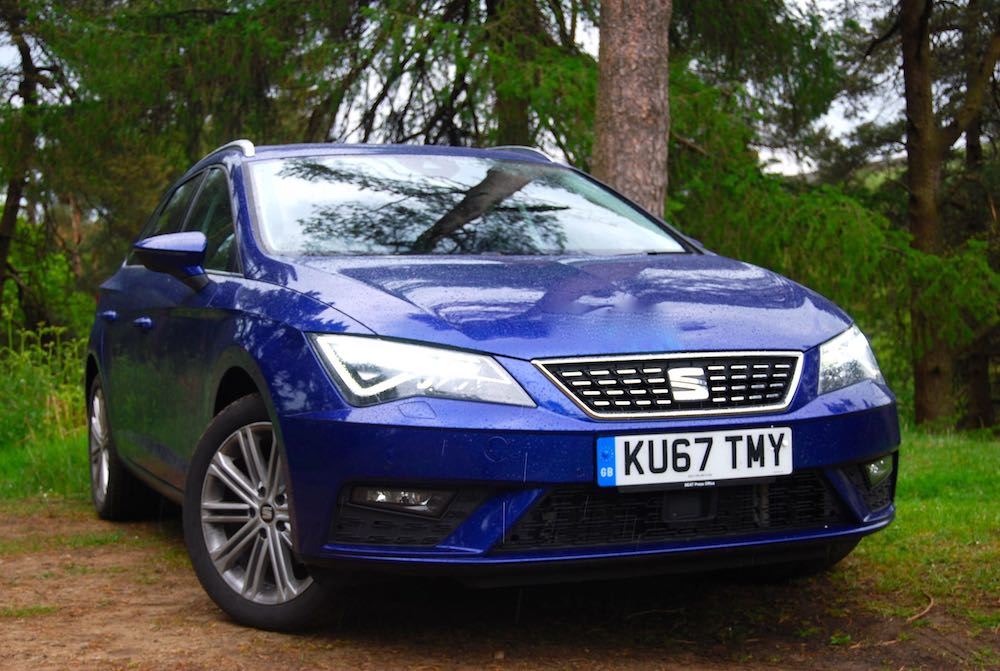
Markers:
point(476, 363)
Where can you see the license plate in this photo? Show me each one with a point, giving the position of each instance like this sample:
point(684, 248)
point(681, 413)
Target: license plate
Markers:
point(693, 459)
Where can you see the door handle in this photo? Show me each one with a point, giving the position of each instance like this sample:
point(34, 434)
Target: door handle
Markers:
point(144, 323)
point(109, 316)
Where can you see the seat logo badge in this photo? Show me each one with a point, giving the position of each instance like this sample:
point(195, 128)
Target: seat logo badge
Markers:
point(688, 384)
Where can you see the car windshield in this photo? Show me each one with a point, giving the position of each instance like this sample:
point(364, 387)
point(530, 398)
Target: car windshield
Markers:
point(437, 204)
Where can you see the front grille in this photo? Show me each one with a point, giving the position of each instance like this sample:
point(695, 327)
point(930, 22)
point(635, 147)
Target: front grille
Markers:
point(588, 517)
point(677, 384)
point(361, 525)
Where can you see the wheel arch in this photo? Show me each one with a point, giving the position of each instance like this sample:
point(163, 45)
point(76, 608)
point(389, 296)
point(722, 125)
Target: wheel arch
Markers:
point(90, 374)
point(235, 383)
point(238, 374)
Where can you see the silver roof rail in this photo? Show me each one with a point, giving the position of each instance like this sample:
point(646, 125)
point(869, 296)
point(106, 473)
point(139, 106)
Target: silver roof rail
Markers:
point(519, 149)
point(246, 146)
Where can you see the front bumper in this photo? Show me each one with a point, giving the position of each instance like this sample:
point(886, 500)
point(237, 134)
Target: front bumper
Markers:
point(507, 474)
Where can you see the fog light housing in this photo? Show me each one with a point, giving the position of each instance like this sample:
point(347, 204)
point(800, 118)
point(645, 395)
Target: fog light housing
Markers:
point(877, 471)
point(430, 502)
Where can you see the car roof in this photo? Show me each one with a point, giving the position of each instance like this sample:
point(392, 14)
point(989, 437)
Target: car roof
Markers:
point(246, 150)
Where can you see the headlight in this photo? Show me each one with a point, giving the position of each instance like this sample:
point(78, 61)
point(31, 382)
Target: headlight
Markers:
point(371, 370)
point(846, 359)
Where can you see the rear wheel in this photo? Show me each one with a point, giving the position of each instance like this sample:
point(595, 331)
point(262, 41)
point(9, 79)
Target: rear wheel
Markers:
point(238, 524)
point(116, 493)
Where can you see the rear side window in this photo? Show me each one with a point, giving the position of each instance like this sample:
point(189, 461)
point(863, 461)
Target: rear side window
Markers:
point(212, 215)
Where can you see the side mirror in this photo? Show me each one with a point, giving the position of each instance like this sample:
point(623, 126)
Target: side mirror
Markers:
point(181, 255)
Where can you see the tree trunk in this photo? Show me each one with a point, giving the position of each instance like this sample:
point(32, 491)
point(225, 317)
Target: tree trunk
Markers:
point(8, 224)
point(974, 364)
point(12, 16)
point(632, 119)
point(515, 26)
point(926, 148)
point(933, 369)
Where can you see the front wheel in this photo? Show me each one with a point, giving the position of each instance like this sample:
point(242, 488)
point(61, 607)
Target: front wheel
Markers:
point(238, 525)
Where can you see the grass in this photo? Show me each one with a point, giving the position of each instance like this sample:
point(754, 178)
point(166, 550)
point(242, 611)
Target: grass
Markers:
point(42, 418)
point(27, 611)
point(945, 542)
point(37, 543)
point(45, 466)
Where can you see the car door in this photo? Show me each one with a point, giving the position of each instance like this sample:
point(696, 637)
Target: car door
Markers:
point(190, 328)
point(131, 305)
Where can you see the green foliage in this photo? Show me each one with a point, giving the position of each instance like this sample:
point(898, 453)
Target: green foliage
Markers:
point(43, 286)
point(42, 420)
point(960, 290)
point(780, 52)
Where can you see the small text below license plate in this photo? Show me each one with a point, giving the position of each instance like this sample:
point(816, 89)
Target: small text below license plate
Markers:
point(693, 457)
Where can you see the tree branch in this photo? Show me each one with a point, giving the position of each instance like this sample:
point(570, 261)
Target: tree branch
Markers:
point(893, 29)
point(689, 143)
point(973, 102)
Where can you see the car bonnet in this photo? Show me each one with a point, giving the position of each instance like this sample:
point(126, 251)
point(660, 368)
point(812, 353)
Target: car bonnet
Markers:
point(530, 307)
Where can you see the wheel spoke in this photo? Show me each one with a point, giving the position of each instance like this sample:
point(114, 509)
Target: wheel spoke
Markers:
point(250, 450)
point(96, 430)
point(97, 418)
point(257, 564)
point(103, 472)
point(227, 473)
point(275, 481)
point(225, 512)
point(230, 551)
point(281, 561)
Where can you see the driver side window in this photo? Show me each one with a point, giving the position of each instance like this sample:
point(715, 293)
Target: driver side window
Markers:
point(212, 215)
point(172, 215)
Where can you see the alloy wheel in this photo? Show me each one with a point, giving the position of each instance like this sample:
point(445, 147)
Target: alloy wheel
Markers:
point(100, 458)
point(245, 518)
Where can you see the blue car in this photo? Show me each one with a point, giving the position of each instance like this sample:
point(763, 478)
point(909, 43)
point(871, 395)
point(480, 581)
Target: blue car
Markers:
point(473, 363)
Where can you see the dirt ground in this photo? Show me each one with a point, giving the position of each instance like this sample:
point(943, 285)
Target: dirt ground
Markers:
point(79, 593)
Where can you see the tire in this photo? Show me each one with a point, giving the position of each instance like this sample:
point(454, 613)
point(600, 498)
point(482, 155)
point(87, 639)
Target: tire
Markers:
point(116, 493)
point(237, 521)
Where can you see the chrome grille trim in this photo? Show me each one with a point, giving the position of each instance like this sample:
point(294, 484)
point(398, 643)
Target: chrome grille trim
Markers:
point(653, 369)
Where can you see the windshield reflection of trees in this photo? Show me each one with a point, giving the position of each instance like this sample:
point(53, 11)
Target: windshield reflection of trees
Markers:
point(424, 215)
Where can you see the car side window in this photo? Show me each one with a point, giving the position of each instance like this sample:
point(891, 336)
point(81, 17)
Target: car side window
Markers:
point(171, 217)
point(212, 215)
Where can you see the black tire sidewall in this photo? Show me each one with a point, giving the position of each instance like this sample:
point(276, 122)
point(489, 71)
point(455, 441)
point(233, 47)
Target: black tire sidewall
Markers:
point(125, 498)
point(292, 615)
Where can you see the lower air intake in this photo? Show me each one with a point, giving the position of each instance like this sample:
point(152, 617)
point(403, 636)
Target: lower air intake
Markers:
point(589, 517)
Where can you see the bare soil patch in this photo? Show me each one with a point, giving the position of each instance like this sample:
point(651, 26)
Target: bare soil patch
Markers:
point(79, 593)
